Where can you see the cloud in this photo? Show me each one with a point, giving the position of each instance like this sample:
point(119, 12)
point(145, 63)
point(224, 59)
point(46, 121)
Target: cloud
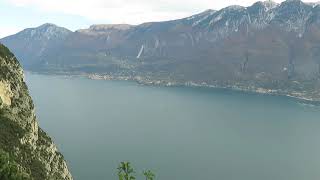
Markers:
point(113, 11)
point(125, 11)
point(128, 11)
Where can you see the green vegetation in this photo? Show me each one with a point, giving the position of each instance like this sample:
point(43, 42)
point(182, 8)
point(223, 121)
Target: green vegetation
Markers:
point(9, 170)
point(149, 175)
point(23, 145)
point(10, 133)
point(126, 172)
point(4, 51)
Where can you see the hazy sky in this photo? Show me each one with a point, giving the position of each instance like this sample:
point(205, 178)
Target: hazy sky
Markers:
point(75, 14)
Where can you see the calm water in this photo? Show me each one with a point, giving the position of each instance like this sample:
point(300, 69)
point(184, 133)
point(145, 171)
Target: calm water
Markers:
point(180, 133)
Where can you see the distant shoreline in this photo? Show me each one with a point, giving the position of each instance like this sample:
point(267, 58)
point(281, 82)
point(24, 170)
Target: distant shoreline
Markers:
point(139, 80)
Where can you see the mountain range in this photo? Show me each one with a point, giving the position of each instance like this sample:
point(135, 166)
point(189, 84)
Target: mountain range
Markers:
point(267, 47)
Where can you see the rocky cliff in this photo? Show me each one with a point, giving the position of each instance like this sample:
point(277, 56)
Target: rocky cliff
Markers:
point(20, 135)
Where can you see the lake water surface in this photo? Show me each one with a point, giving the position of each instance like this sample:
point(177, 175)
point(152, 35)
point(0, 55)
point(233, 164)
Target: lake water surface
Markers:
point(180, 133)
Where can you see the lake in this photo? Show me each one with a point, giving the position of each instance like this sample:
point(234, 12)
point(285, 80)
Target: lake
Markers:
point(180, 133)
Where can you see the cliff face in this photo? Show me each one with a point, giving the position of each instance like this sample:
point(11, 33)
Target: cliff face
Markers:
point(20, 134)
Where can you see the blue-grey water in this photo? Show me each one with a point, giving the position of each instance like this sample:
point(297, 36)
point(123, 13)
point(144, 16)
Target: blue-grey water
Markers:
point(179, 133)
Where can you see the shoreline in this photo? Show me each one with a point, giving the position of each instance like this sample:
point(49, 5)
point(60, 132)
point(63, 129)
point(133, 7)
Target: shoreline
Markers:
point(255, 90)
point(163, 83)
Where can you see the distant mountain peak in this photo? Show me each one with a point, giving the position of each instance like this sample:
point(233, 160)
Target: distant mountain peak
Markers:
point(234, 7)
point(295, 2)
point(47, 31)
point(46, 25)
point(270, 4)
point(51, 26)
point(102, 27)
point(105, 28)
point(201, 15)
point(266, 5)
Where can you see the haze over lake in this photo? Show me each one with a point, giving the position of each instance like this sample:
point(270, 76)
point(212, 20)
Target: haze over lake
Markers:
point(180, 133)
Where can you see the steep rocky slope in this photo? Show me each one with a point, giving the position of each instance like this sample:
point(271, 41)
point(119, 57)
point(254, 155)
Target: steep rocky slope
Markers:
point(32, 44)
point(20, 135)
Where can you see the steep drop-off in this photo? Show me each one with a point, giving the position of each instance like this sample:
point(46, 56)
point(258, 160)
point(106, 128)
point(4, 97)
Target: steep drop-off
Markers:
point(20, 136)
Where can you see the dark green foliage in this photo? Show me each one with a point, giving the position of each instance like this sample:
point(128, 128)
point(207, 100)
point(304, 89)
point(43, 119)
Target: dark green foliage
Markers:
point(9, 170)
point(10, 132)
point(4, 51)
point(125, 171)
point(149, 175)
point(9, 65)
